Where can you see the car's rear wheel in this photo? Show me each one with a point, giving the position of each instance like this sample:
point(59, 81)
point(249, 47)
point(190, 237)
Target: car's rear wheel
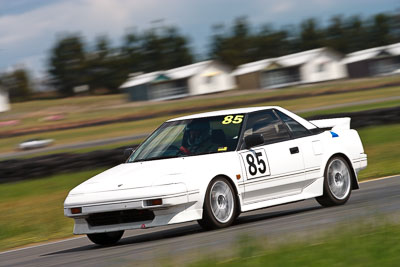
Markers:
point(220, 205)
point(337, 183)
point(105, 239)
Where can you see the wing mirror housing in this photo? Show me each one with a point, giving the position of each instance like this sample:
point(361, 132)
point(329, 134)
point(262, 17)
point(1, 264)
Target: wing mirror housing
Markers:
point(128, 151)
point(253, 140)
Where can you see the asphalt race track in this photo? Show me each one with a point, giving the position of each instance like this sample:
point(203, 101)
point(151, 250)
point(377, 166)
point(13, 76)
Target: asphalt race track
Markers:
point(186, 242)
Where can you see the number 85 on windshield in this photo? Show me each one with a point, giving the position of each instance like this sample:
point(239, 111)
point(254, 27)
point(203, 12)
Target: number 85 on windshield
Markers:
point(256, 163)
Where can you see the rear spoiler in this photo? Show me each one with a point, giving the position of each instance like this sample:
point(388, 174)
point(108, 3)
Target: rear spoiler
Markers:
point(337, 123)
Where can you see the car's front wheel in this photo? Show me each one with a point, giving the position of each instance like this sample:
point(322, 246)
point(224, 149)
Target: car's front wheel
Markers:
point(220, 205)
point(105, 239)
point(337, 183)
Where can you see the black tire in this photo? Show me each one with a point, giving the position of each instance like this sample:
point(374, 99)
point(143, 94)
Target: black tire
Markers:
point(337, 183)
point(106, 239)
point(226, 205)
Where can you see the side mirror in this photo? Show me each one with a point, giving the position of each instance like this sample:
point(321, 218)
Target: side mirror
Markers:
point(128, 151)
point(253, 140)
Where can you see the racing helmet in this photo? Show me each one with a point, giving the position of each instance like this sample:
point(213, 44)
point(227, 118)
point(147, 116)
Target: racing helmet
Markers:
point(196, 132)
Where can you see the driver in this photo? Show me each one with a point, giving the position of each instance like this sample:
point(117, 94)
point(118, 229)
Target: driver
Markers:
point(197, 137)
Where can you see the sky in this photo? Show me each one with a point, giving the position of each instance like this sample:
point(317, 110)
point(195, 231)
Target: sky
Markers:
point(30, 28)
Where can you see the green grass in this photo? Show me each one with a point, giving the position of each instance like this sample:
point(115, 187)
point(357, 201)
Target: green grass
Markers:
point(136, 125)
point(344, 98)
point(366, 245)
point(32, 211)
point(78, 109)
point(381, 143)
point(145, 126)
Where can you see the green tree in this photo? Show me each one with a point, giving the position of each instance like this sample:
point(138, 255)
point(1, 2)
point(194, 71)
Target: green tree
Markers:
point(103, 69)
point(130, 54)
point(164, 48)
point(379, 32)
point(67, 64)
point(18, 84)
point(355, 34)
point(270, 43)
point(152, 52)
point(311, 36)
point(395, 26)
point(335, 35)
point(177, 50)
point(240, 44)
point(234, 47)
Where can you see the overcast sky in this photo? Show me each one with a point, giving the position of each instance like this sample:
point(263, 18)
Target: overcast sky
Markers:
point(29, 28)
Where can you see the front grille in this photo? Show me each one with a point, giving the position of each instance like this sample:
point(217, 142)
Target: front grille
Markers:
point(118, 217)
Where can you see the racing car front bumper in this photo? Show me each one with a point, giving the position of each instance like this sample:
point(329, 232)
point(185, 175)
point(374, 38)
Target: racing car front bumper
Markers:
point(132, 208)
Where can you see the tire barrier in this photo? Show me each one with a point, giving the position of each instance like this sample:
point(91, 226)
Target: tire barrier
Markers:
point(23, 169)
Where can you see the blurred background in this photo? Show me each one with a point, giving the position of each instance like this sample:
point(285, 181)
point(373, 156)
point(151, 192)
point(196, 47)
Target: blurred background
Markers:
point(82, 80)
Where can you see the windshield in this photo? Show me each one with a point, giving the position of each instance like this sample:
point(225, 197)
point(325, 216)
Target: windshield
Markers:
point(191, 137)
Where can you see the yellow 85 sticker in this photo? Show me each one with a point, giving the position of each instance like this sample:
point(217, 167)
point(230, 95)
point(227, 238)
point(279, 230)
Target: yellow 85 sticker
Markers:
point(233, 119)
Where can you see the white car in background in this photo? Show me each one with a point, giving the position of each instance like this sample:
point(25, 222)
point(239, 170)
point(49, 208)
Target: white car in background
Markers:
point(211, 167)
point(35, 143)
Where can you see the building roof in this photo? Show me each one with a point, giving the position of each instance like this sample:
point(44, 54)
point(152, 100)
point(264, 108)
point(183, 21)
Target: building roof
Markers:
point(140, 79)
point(285, 61)
point(299, 58)
point(252, 67)
point(174, 74)
point(393, 49)
point(186, 71)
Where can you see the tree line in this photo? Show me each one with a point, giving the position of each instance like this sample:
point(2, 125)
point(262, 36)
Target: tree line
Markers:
point(102, 67)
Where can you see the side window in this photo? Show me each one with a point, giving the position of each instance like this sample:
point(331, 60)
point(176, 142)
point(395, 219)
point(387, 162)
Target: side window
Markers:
point(268, 125)
point(295, 128)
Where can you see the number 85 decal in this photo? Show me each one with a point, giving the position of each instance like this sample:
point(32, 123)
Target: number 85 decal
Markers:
point(256, 163)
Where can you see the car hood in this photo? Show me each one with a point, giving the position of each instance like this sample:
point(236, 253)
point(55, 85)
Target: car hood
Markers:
point(136, 175)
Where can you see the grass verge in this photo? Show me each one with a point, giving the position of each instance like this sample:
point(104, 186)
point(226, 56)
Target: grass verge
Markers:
point(366, 245)
point(32, 211)
point(380, 143)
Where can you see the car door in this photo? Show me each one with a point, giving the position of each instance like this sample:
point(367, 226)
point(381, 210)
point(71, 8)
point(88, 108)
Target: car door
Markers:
point(309, 143)
point(275, 168)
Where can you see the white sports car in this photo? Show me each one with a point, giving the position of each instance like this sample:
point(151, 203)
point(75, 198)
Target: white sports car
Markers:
point(211, 167)
point(35, 143)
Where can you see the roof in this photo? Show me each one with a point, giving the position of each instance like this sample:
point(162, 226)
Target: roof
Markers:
point(173, 74)
point(304, 122)
point(299, 58)
point(285, 61)
point(140, 79)
point(222, 112)
point(393, 49)
point(186, 71)
point(252, 67)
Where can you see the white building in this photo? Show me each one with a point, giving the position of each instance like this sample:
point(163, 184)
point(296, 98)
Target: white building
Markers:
point(200, 78)
point(311, 66)
point(4, 100)
point(376, 61)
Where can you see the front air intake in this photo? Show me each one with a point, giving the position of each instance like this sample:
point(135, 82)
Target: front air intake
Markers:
point(119, 217)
